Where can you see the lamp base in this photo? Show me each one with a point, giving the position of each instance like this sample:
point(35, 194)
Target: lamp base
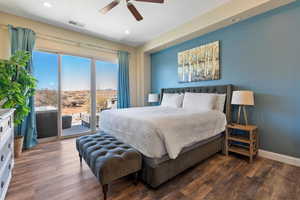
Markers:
point(242, 109)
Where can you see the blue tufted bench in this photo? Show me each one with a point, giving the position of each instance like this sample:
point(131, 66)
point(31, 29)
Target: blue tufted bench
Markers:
point(108, 158)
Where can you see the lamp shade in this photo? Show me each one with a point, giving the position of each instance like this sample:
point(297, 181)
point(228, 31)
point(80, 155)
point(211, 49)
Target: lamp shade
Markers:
point(242, 98)
point(152, 98)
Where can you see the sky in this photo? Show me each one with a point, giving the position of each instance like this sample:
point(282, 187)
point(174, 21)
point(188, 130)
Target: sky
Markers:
point(76, 72)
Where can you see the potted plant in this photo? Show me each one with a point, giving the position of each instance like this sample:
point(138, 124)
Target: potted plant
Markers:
point(17, 85)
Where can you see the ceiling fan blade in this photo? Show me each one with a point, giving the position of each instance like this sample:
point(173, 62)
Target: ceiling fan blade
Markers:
point(134, 11)
point(109, 6)
point(152, 1)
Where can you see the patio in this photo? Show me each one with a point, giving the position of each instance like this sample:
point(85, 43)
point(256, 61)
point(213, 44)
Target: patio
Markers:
point(76, 129)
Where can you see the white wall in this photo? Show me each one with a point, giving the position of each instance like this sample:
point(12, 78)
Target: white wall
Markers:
point(144, 79)
point(4, 44)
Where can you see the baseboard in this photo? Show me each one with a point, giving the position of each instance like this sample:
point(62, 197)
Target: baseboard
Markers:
point(279, 157)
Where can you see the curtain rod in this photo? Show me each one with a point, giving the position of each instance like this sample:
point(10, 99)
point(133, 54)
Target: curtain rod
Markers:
point(70, 42)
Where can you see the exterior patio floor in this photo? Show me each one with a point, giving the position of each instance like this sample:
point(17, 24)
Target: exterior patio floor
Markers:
point(75, 129)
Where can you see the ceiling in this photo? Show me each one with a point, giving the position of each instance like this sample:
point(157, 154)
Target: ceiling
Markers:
point(158, 18)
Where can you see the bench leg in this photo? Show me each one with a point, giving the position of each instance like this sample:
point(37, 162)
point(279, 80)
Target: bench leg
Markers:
point(136, 176)
point(80, 158)
point(105, 189)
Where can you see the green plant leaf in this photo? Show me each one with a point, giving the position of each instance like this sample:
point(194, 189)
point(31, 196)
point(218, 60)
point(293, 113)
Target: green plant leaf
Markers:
point(17, 85)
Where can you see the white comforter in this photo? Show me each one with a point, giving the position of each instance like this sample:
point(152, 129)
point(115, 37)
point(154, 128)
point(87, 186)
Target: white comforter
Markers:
point(155, 131)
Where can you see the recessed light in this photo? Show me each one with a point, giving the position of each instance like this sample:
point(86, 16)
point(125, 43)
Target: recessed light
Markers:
point(47, 4)
point(127, 32)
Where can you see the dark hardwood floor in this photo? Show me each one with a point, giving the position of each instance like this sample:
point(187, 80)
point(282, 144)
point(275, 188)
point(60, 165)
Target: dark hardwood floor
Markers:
point(52, 171)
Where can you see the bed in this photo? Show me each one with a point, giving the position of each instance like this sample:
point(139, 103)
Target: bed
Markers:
point(157, 132)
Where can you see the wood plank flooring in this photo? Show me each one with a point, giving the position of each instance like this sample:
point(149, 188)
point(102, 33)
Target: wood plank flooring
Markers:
point(52, 172)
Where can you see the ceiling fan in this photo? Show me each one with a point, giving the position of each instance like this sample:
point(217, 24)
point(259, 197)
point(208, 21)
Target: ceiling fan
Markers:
point(130, 6)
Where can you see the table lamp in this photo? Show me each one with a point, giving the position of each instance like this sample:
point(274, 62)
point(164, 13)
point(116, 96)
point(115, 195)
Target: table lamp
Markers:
point(243, 99)
point(153, 98)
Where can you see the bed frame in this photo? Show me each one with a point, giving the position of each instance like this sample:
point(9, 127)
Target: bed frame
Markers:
point(156, 175)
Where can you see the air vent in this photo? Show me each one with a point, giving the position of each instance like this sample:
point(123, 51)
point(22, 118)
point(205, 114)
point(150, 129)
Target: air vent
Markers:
point(78, 24)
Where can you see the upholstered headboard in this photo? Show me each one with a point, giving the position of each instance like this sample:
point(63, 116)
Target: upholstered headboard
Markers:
point(219, 89)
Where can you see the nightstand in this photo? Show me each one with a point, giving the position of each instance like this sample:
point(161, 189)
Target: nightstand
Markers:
point(242, 139)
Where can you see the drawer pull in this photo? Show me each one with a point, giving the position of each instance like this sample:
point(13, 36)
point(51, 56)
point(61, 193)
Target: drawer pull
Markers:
point(2, 184)
point(9, 166)
point(2, 158)
point(1, 129)
point(9, 145)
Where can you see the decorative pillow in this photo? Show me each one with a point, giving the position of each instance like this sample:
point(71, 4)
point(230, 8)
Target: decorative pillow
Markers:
point(199, 101)
point(221, 98)
point(173, 100)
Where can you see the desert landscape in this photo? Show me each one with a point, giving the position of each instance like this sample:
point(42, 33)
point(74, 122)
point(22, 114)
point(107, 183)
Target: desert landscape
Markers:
point(74, 102)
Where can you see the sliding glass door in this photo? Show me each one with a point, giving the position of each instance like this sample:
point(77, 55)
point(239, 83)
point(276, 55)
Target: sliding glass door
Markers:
point(72, 92)
point(46, 97)
point(106, 87)
point(75, 95)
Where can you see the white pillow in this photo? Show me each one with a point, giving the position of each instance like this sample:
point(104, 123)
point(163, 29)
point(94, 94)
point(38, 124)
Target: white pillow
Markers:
point(173, 100)
point(221, 98)
point(199, 101)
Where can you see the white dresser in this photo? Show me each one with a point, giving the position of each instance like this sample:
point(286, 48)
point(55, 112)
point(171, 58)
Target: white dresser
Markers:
point(6, 149)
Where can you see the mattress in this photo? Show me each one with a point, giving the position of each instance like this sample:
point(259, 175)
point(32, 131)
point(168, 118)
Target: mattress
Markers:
point(158, 131)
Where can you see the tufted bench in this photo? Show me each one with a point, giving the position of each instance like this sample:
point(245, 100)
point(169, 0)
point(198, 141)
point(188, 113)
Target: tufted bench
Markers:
point(108, 158)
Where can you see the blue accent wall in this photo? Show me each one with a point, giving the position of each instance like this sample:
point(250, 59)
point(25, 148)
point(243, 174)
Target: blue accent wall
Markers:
point(260, 54)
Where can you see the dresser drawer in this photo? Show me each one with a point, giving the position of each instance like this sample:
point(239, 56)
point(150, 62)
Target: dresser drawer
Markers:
point(5, 125)
point(5, 175)
point(6, 149)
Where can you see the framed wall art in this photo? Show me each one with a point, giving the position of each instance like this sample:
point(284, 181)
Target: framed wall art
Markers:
point(199, 64)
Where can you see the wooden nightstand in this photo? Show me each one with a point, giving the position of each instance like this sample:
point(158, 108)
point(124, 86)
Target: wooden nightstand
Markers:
point(242, 139)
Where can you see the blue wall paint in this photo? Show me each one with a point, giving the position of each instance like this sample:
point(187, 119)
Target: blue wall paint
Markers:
point(260, 54)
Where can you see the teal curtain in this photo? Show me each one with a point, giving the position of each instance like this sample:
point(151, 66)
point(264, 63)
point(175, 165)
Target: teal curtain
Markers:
point(123, 80)
point(23, 39)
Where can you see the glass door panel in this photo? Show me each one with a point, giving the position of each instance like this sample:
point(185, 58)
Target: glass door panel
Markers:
point(106, 87)
point(75, 95)
point(46, 96)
